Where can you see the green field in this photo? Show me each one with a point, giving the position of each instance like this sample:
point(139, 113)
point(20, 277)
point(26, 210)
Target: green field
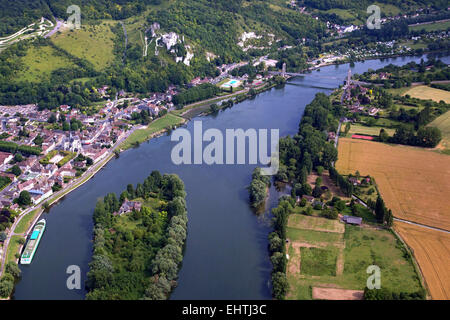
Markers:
point(436, 26)
point(340, 260)
point(13, 248)
point(358, 16)
point(428, 93)
point(312, 236)
point(443, 123)
point(371, 131)
point(364, 247)
point(319, 261)
point(398, 91)
point(156, 126)
point(25, 222)
point(40, 61)
point(92, 42)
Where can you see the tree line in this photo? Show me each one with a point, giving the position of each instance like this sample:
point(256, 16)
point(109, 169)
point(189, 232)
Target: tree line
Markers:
point(11, 147)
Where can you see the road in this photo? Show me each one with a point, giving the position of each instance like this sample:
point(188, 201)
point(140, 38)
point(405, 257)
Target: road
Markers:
point(403, 220)
point(421, 225)
point(56, 196)
point(126, 41)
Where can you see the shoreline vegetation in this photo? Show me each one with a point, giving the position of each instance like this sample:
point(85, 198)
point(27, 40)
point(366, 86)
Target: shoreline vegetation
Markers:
point(139, 241)
point(310, 154)
point(157, 128)
point(259, 190)
point(175, 122)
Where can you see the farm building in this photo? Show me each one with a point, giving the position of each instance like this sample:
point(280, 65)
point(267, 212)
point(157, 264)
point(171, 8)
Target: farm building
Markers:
point(352, 220)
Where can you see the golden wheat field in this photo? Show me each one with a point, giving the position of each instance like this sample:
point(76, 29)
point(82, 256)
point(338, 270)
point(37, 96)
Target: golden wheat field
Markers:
point(432, 251)
point(425, 93)
point(415, 184)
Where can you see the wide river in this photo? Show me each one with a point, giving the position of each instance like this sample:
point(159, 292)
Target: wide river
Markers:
point(226, 253)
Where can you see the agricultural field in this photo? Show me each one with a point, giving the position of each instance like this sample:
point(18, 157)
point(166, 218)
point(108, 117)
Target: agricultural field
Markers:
point(414, 183)
point(435, 26)
point(328, 259)
point(365, 130)
point(428, 93)
point(443, 123)
point(432, 251)
point(95, 43)
point(40, 61)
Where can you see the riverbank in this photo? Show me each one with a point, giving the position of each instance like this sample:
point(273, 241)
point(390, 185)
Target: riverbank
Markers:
point(387, 56)
point(217, 200)
point(25, 221)
point(180, 117)
point(311, 241)
point(156, 128)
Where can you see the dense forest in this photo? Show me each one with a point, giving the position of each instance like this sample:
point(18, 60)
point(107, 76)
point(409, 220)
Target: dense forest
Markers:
point(137, 254)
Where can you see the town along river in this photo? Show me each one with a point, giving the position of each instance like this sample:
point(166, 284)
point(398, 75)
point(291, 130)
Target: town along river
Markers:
point(226, 253)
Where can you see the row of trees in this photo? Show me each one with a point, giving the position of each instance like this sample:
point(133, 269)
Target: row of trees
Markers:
point(341, 182)
point(386, 294)
point(383, 214)
point(201, 92)
point(11, 147)
point(277, 248)
point(427, 137)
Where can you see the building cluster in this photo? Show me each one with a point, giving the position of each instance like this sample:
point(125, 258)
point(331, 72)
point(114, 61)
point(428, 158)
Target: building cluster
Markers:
point(357, 98)
point(65, 154)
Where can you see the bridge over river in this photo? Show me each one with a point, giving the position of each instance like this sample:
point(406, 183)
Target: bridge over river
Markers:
point(315, 75)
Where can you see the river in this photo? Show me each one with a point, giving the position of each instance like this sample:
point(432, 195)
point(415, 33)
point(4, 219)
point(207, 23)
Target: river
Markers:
point(226, 253)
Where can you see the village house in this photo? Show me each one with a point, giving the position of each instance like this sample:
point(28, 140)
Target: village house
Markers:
point(354, 181)
point(26, 186)
point(95, 154)
point(8, 175)
point(309, 199)
point(36, 168)
point(38, 196)
point(68, 173)
point(50, 170)
point(11, 193)
point(128, 206)
point(5, 157)
point(26, 164)
point(331, 136)
point(64, 108)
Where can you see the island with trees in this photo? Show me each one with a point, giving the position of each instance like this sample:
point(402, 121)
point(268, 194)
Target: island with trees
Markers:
point(332, 226)
point(138, 241)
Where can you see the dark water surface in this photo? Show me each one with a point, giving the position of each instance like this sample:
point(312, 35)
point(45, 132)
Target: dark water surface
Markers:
point(226, 249)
